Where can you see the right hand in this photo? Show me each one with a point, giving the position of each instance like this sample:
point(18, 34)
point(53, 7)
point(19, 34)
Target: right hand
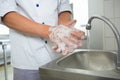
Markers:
point(66, 38)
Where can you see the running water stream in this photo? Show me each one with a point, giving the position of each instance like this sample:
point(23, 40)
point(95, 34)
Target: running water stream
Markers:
point(88, 39)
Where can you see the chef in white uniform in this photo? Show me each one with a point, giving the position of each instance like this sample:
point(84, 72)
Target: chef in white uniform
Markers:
point(29, 21)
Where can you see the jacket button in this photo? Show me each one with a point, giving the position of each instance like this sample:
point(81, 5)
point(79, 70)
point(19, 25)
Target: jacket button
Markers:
point(46, 42)
point(37, 5)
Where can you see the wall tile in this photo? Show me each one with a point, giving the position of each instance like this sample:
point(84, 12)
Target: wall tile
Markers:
point(109, 8)
point(95, 7)
point(117, 23)
point(117, 8)
point(109, 44)
point(107, 30)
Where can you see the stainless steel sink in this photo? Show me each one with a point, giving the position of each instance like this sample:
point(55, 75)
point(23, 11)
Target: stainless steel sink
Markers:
point(82, 65)
point(89, 60)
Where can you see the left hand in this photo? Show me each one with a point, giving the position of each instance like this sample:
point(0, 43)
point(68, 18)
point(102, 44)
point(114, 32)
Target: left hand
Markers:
point(69, 42)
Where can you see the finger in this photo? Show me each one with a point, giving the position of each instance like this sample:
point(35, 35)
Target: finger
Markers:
point(64, 52)
point(59, 50)
point(76, 42)
point(70, 49)
point(67, 50)
point(55, 47)
point(70, 41)
point(78, 34)
point(70, 23)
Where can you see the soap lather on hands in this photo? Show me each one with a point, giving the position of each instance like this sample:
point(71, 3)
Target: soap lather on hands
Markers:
point(66, 38)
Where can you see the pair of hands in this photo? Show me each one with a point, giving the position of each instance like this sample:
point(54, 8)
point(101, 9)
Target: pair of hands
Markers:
point(66, 38)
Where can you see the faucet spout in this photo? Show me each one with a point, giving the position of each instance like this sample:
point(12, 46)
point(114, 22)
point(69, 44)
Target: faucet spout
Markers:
point(113, 28)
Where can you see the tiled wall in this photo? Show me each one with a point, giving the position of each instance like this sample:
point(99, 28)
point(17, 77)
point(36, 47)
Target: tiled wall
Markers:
point(101, 35)
point(96, 33)
point(112, 11)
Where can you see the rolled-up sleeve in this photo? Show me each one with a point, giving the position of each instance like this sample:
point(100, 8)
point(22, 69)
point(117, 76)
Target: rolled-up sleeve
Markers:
point(64, 6)
point(7, 6)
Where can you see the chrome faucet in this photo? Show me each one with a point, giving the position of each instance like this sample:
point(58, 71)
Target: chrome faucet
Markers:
point(113, 28)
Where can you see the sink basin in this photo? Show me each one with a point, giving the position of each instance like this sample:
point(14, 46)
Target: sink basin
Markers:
point(82, 64)
point(89, 60)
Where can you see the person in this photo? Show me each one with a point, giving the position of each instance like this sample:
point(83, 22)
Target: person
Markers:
point(36, 26)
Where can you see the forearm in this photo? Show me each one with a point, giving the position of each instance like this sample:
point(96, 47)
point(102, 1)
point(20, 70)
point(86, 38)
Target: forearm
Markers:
point(20, 23)
point(64, 17)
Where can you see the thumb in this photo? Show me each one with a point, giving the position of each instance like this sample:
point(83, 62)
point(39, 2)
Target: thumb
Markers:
point(71, 23)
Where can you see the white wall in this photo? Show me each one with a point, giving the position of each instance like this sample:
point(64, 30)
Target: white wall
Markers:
point(80, 12)
point(112, 11)
point(101, 35)
point(96, 32)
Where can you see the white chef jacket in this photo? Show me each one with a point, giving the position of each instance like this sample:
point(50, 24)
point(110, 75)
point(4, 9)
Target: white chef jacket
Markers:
point(30, 52)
